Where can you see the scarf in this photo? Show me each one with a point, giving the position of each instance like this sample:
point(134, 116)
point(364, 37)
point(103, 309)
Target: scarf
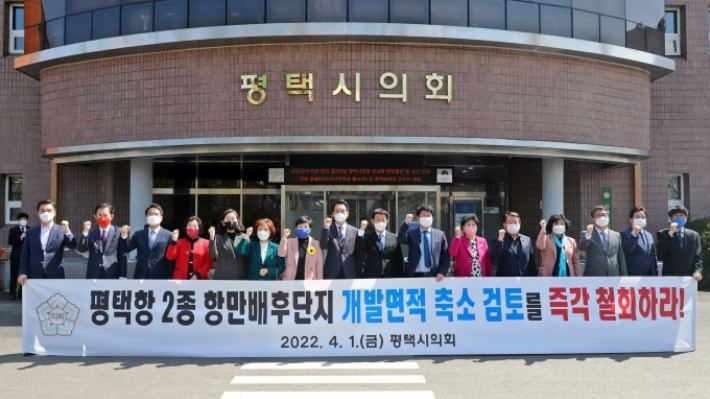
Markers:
point(563, 256)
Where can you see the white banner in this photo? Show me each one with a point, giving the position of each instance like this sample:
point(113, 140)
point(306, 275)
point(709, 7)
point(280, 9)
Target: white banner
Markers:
point(459, 316)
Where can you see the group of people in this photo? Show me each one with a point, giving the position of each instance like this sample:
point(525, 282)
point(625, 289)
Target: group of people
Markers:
point(370, 251)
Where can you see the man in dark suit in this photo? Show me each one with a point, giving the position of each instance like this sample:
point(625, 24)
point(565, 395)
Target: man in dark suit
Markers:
point(105, 259)
point(428, 248)
point(342, 261)
point(603, 247)
point(16, 238)
point(680, 247)
point(639, 248)
point(512, 251)
point(152, 244)
point(43, 250)
point(383, 254)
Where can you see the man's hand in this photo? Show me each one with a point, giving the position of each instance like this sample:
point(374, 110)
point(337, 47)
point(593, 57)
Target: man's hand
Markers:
point(22, 280)
point(287, 232)
point(636, 230)
point(263, 272)
point(590, 229)
point(65, 225)
point(674, 227)
point(176, 234)
point(249, 231)
point(327, 222)
point(408, 219)
point(125, 229)
point(439, 277)
point(87, 227)
point(501, 234)
point(457, 231)
point(212, 232)
point(543, 224)
point(363, 225)
point(22, 237)
point(697, 276)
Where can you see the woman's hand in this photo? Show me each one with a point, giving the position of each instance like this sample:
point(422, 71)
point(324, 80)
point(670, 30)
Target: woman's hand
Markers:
point(264, 272)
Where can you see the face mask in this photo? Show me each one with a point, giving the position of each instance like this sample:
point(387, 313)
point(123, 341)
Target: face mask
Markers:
point(558, 229)
point(46, 217)
point(426, 221)
point(340, 217)
point(470, 230)
point(303, 233)
point(380, 226)
point(640, 223)
point(23, 223)
point(192, 233)
point(230, 225)
point(513, 228)
point(680, 221)
point(154, 220)
point(602, 221)
point(263, 235)
point(103, 222)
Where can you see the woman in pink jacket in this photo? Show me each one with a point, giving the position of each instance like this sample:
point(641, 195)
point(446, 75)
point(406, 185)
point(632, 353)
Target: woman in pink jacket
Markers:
point(470, 251)
point(550, 241)
point(304, 259)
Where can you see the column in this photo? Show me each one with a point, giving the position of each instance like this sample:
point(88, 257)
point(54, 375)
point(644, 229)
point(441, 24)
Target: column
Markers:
point(553, 187)
point(141, 192)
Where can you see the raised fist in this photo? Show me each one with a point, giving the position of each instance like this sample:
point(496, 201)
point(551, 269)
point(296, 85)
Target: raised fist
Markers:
point(501, 234)
point(457, 231)
point(674, 227)
point(636, 230)
point(176, 234)
point(87, 226)
point(543, 224)
point(211, 231)
point(65, 225)
point(287, 232)
point(590, 229)
point(327, 222)
point(408, 219)
point(249, 231)
point(363, 225)
point(125, 229)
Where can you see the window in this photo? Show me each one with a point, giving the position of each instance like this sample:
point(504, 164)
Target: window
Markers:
point(13, 198)
point(676, 189)
point(17, 29)
point(672, 31)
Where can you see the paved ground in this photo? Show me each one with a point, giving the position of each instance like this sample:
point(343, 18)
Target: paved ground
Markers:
point(662, 375)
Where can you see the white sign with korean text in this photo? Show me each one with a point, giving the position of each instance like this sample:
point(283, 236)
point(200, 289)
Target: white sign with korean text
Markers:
point(458, 316)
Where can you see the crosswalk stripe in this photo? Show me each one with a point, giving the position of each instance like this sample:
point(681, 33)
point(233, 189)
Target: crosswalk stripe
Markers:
point(330, 379)
point(332, 366)
point(331, 395)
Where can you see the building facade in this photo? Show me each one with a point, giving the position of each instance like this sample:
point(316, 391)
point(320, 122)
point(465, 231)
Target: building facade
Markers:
point(276, 108)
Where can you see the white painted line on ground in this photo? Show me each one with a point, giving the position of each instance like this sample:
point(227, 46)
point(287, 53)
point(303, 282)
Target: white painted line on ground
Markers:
point(332, 366)
point(331, 395)
point(330, 379)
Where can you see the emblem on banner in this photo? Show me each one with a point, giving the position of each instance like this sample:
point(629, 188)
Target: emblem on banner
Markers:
point(57, 316)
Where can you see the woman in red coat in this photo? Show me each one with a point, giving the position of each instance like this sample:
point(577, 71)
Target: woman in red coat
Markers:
point(192, 253)
point(470, 251)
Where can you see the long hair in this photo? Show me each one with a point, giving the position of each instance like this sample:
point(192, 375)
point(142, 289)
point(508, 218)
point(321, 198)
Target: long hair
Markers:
point(220, 229)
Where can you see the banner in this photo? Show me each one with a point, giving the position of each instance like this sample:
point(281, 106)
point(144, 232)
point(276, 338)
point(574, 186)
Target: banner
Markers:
point(458, 316)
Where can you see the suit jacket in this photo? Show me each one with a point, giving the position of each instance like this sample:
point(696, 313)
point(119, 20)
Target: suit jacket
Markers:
point(463, 265)
point(440, 259)
point(677, 261)
point(16, 242)
point(227, 264)
point(151, 264)
point(548, 245)
point(111, 259)
point(512, 263)
point(34, 259)
point(272, 262)
point(346, 256)
point(639, 259)
point(603, 260)
point(378, 264)
point(313, 269)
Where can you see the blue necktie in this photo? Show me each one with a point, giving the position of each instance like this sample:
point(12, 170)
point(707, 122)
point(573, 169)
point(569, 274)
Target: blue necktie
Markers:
point(680, 238)
point(643, 240)
point(427, 250)
point(382, 242)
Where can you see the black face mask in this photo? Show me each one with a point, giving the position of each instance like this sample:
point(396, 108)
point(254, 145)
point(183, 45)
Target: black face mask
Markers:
point(230, 225)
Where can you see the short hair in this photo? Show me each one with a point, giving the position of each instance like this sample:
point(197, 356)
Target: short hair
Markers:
point(304, 219)
point(599, 208)
point(46, 202)
point(554, 219)
point(425, 208)
point(220, 229)
point(380, 211)
point(513, 214)
point(468, 218)
point(678, 209)
point(104, 205)
point(190, 219)
point(341, 202)
point(22, 215)
point(638, 209)
point(269, 225)
point(154, 206)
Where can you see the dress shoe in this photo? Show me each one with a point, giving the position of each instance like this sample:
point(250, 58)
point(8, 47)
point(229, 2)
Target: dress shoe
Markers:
point(12, 297)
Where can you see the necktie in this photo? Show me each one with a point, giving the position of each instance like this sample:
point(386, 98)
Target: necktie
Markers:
point(382, 242)
point(642, 238)
point(681, 238)
point(427, 250)
point(341, 238)
point(151, 241)
point(103, 240)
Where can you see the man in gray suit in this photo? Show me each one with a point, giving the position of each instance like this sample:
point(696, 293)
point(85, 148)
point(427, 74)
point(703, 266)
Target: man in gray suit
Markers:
point(605, 255)
point(342, 261)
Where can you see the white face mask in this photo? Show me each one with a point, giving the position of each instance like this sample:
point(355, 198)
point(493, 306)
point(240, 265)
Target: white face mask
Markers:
point(426, 221)
point(263, 235)
point(640, 223)
point(513, 229)
point(154, 220)
point(558, 229)
point(380, 226)
point(46, 217)
point(23, 223)
point(341, 217)
point(602, 221)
